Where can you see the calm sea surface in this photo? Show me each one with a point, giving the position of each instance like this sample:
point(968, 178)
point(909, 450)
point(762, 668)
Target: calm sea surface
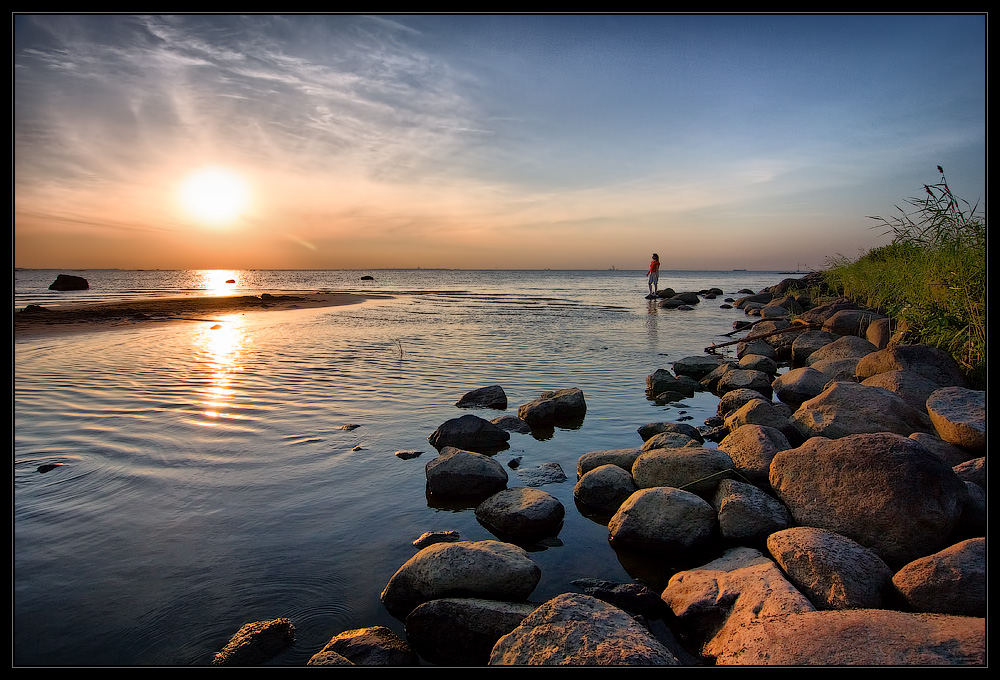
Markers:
point(205, 480)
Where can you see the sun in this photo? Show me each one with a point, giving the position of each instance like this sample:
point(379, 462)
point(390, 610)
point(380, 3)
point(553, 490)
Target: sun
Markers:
point(215, 196)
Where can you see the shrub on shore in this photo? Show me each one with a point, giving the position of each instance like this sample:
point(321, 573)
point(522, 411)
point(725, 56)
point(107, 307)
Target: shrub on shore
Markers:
point(931, 278)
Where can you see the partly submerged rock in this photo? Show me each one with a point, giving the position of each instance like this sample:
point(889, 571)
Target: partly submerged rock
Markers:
point(256, 643)
point(559, 408)
point(487, 569)
point(65, 282)
point(457, 472)
point(374, 646)
point(471, 433)
point(492, 397)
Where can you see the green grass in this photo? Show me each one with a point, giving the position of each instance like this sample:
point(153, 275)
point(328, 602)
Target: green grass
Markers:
point(931, 278)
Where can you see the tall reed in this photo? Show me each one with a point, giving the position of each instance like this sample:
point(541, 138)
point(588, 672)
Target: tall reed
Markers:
point(931, 278)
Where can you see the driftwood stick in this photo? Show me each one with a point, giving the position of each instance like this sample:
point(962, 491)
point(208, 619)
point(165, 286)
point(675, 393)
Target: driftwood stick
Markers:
point(793, 327)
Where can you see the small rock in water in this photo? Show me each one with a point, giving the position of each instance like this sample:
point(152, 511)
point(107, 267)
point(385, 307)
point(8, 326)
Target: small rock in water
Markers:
point(358, 448)
point(48, 466)
point(407, 455)
point(349, 427)
point(546, 473)
point(514, 462)
point(256, 643)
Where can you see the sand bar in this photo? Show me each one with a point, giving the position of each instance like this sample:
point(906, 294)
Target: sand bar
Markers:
point(39, 321)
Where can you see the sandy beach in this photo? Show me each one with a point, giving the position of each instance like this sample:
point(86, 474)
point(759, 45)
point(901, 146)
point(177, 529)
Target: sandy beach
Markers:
point(34, 321)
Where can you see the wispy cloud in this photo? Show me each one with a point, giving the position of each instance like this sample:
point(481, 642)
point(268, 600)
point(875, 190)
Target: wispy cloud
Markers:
point(480, 129)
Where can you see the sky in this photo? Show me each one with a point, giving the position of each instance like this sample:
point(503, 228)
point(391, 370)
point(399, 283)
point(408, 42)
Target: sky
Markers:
point(484, 141)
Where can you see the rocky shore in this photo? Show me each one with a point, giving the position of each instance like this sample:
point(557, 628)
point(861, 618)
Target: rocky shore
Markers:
point(832, 513)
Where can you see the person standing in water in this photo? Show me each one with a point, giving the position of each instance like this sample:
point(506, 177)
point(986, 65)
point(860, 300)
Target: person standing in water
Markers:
point(654, 276)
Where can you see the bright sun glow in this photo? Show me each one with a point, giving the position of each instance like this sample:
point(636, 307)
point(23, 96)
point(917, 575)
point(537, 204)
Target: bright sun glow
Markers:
point(215, 196)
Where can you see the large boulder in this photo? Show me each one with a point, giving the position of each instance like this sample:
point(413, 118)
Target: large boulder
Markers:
point(462, 631)
point(623, 458)
point(833, 571)
point(739, 378)
point(949, 453)
point(759, 362)
point(765, 414)
point(747, 515)
point(471, 433)
point(734, 400)
point(883, 490)
point(959, 417)
point(710, 381)
point(836, 369)
point(851, 322)
point(663, 520)
point(560, 408)
point(66, 282)
point(973, 470)
point(808, 342)
point(933, 363)
point(798, 385)
point(846, 347)
point(909, 385)
point(695, 469)
point(456, 472)
point(486, 569)
point(713, 600)
point(604, 488)
point(580, 630)
point(521, 514)
point(752, 448)
point(820, 313)
point(857, 637)
point(846, 408)
point(879, 331)
point(755, 347)
point(951, 581)
point(374, 646)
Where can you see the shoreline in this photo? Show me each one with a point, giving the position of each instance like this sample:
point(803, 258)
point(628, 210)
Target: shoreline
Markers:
point(38, 321)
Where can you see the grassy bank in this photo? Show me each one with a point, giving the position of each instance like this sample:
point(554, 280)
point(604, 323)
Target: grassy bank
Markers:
point(931, 278)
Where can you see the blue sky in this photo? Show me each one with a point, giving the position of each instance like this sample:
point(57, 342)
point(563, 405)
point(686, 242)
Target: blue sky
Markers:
point(752, 141)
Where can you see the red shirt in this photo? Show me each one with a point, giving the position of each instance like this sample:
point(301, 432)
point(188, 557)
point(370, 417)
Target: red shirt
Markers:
point(654, 267)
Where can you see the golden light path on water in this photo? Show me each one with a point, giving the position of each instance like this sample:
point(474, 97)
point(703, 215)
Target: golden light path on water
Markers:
point(221, 346)
point(220, 281)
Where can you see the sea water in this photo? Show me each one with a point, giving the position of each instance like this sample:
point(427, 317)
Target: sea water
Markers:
point(206, 478)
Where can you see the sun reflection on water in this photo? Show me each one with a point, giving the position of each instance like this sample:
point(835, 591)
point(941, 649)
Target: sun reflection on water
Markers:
point(220, 281)
point(222, 345)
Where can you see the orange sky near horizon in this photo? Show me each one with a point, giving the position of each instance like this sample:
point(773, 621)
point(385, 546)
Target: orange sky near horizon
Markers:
point(484, 142)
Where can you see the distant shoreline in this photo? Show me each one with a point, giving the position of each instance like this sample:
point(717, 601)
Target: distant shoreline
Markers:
point(35, 321)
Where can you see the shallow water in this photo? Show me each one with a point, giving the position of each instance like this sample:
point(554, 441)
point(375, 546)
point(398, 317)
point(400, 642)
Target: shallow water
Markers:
point(205, 479)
